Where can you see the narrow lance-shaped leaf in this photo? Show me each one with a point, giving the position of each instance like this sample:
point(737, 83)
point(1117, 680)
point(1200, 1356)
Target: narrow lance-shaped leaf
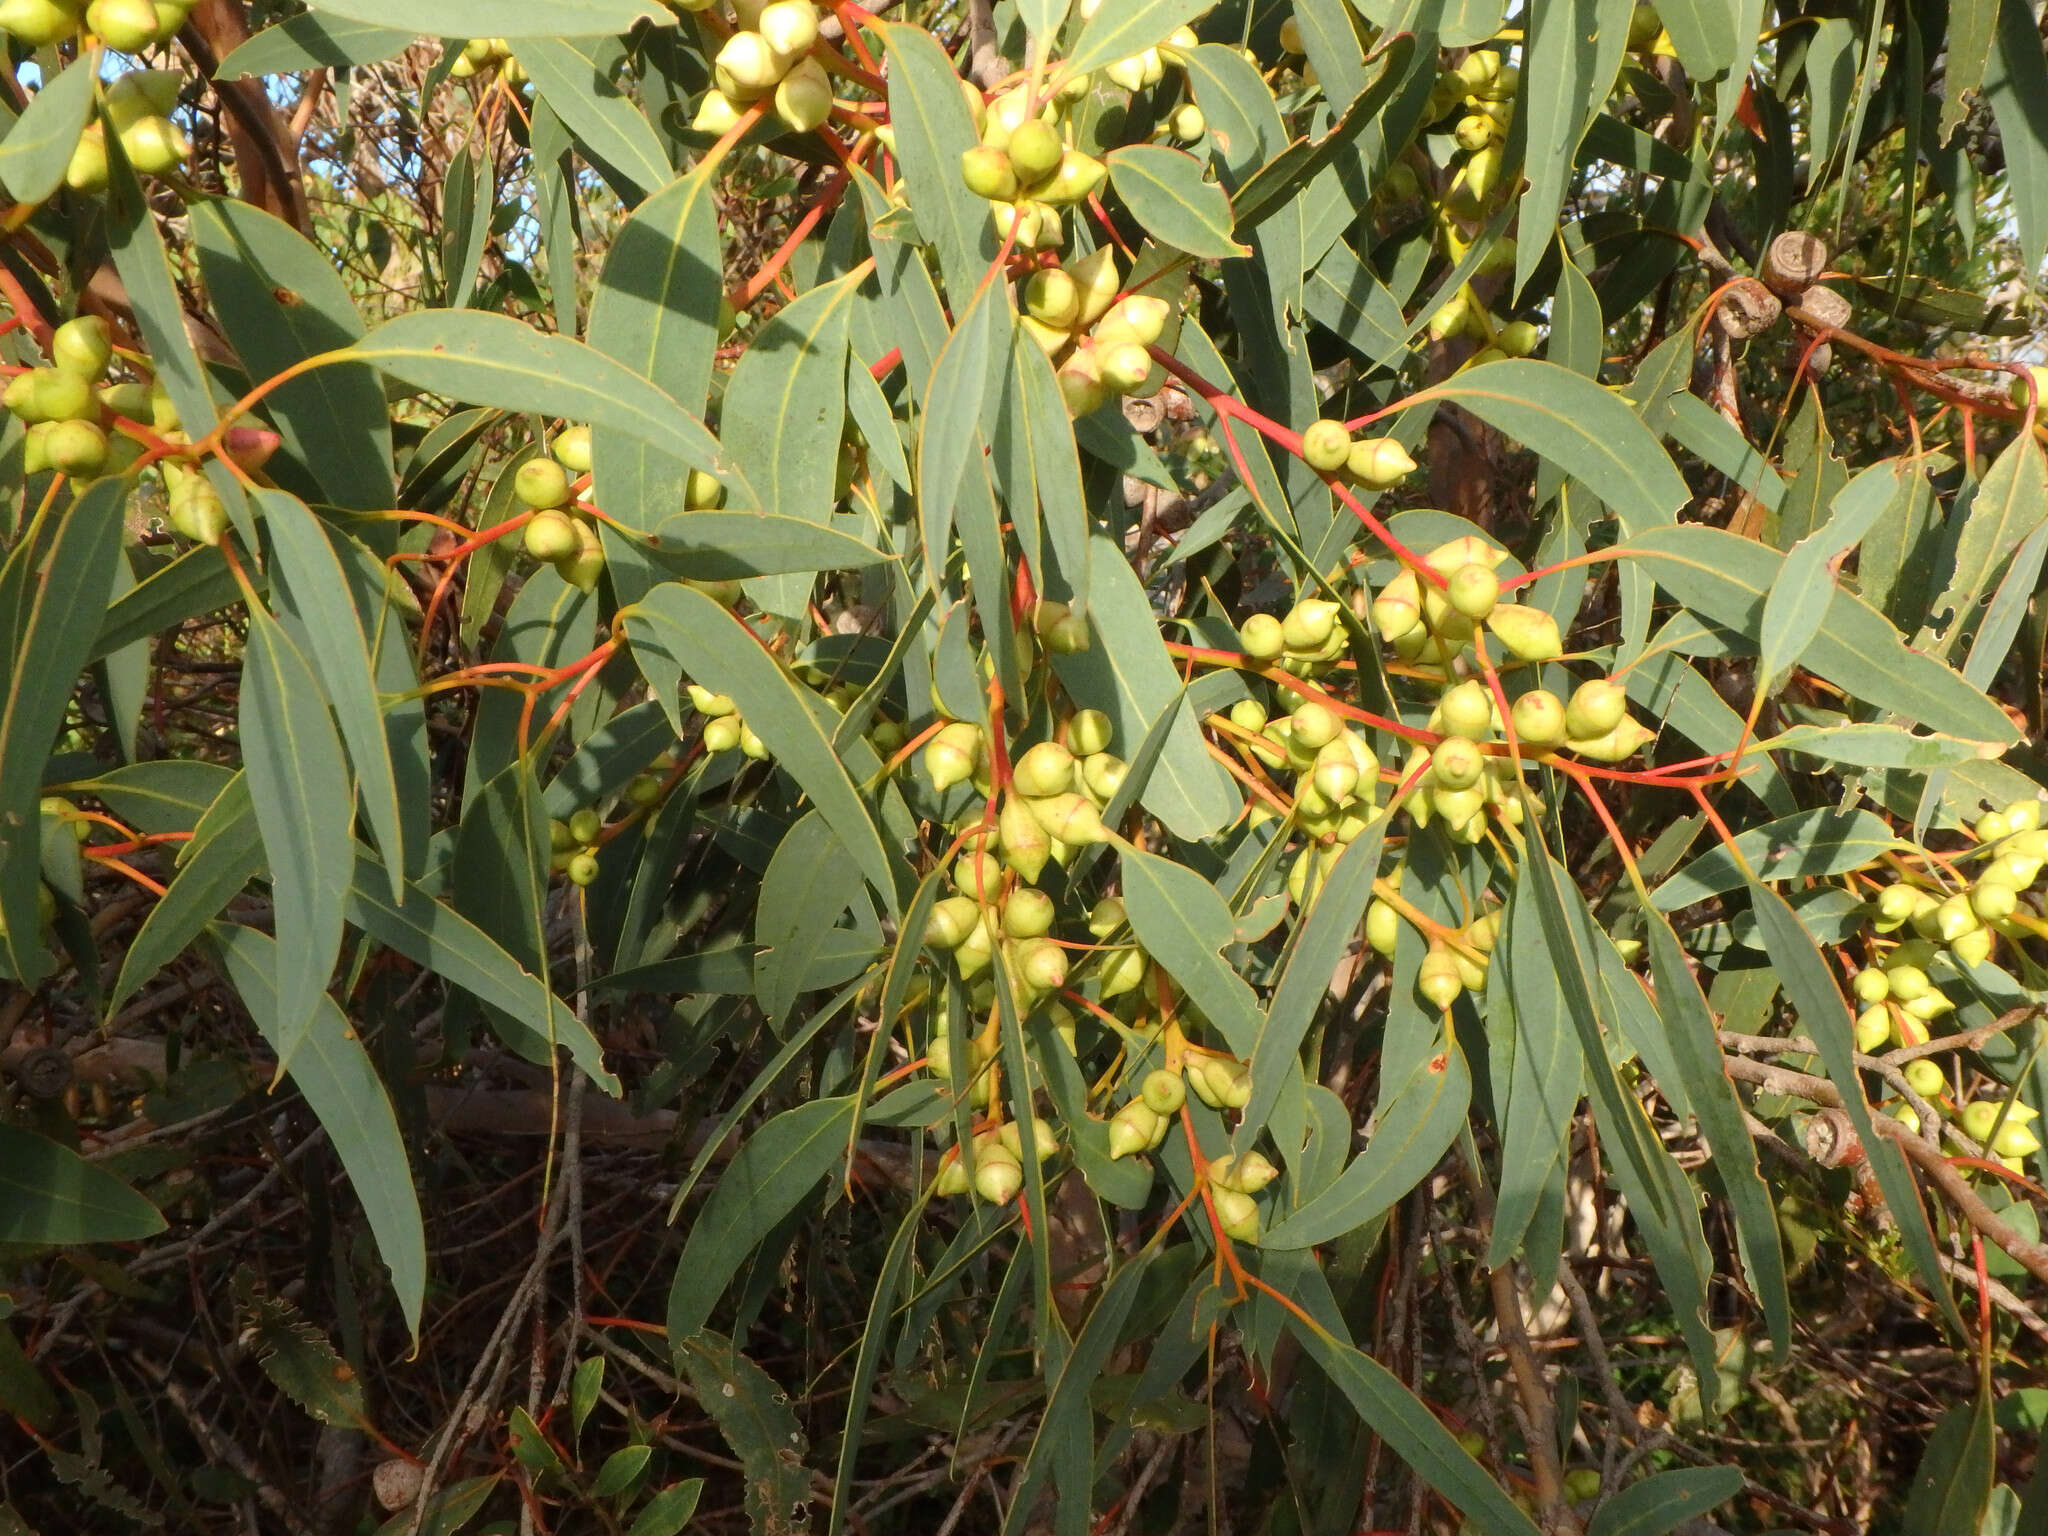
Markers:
point(38, 147)
point(305, 806)
point(776, 1168)
point(48, 618)
point(331, 1067)
point(1169, 196)
point(507, 18)
point(495, 360)
point(49, 1195)
point(342, 651)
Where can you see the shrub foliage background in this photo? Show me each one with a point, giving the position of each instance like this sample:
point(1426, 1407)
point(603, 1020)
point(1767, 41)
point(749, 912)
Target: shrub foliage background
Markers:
point(1390, 656)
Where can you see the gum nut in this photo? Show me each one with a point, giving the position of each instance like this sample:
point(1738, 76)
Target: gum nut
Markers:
point(1041, 965)
point(1163, 1092)
point(1905, 1114)
point(722, 735)
point(1529, 634)
point(1096, 276)
point(997, 1181)
point(1081, 385)
point(702, 699)
point(1102, 775)
point(951, 1178)
point(155, 145)
point(1053, 297)
point(2015, 1140)
point(1070, 818)
point(1336, 773)
point(1992, 900)
point(1474, 590)
point(1326, 446)
point(747, 67)
point(2014, 870)
point(1482, 171)
point(82, 346)
point(540, 483)
point(1978, 1118)
point(1437, 978)
point(126, 26)
point(551, 536)
point(1308, 625)
point(1127, 74)
point(1141, 318)
point(1027, 912)
point(1252, 1172)
point(1124, 367)
point(1187, 123)
point(1106, 917)
point(1538, 717)
point(1315, 726)
point(571, 449)
point(976, 952)
point(1262, 637)
point(1382, 927)
point(1474, 130)
point(1873, 1027)
point(1026, 845)
point(1471, 972)
point(1624, 741)
point(1932, 1006)
point(951, 755)
point(1518, 338)
point(1972, 948)
point(1237, 1214)
point(585, 826)
point(1456, 763)
point(38, 23)
point(1954, 917)
point(1907, 982)
point(1089, 731)
point(1379, 463)
point(86, 170)
point(199, 514)
point(1122, 971)
point(988, 173)
point(1290, 35)
point(1131, 1128)
point(581, 868)
point(1045, 769)
point(803, 97)
point(1871, 986)
point(1992, 826)
point(1449, 320)
point(978, 874)
point(560, 838)
point(1895, 903)
point(1459, 808)
point(701, 491)
point(2024, 815)
point(2023, 396)
point(952, 919)
point(1924, 1078)
point(789, 27)
point(582, 569)
point(1035, 150)
point(1397, 611)
point(1304, 879)
point(716, 113)
point(1248, 715)
point(2029, 844)
point(1467, 710)
point(1596, 708)
point(47, 394)
point(1466, 549)
point(76, 448)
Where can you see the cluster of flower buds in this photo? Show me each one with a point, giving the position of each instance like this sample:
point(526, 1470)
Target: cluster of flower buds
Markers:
point(2011, 849)
point(1234, 1179)
point(723, 727)
point(558, 534)
point(482, 53)
point(126, 26)
point(138, 108)
point(1060, 630)
point(1454, 965)
point(2004, 1129)
point(1025, 168)
point(572, 845)
point(60, 406)
point(1434, 624)
point(994, 1166)
point(1336, 782)
point(1481, 92)
point(1097, 341)
point(1463, 312)
point(1373, 463)
point(769, 55)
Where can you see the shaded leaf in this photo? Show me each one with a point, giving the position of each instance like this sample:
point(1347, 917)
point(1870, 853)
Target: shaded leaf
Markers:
point(37, 149)
point(49, 1195)
point(308, 42)
point(575, 77)
point(295, 1354)
point(1662, 1503)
